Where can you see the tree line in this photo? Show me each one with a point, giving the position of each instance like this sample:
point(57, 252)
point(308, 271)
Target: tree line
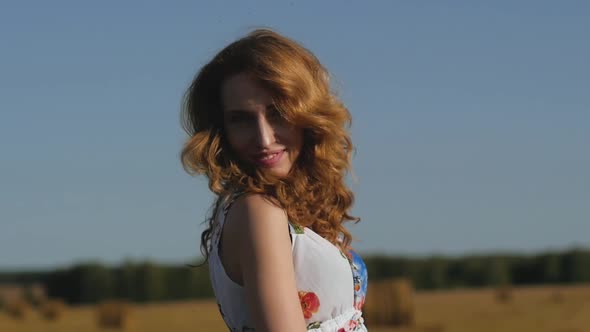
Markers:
point(146, 281)
point(439, 272)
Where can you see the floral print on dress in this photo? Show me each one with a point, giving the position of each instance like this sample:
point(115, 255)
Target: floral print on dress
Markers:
point(360, 277)
point(309, 299)
point(314, 325)
point(310, 303)
point(356, 323)
point(297, 229)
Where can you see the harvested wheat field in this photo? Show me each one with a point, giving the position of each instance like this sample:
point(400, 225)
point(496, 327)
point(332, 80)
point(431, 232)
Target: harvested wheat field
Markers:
point(539, 309)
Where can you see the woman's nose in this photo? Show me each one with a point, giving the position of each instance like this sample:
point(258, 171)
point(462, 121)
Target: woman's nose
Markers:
point(265, 135)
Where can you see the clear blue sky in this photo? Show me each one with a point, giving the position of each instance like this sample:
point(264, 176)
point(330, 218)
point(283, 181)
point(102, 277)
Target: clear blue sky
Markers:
point(471, 122)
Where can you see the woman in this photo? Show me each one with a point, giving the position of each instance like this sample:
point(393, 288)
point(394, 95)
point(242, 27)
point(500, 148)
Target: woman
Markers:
point(272, 139)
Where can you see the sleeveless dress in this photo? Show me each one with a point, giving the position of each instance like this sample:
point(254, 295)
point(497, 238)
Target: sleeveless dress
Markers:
point(331, 284)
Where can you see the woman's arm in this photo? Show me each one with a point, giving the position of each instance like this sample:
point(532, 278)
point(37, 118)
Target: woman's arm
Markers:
point(266, 264)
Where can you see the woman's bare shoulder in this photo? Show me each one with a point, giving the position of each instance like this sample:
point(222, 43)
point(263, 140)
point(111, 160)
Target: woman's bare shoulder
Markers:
point(266, 264)
point(253, 211)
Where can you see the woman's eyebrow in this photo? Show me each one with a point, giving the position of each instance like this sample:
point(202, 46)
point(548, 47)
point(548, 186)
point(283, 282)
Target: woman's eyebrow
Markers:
point(238, 111)
point(269, 107)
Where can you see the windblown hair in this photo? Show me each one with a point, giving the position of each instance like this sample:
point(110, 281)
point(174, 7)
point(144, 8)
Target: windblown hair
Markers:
point(314, 193)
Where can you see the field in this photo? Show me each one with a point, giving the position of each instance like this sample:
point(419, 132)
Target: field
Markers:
point(539, 309)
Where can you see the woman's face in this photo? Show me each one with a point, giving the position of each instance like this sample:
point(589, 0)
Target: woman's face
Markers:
point(255, 130)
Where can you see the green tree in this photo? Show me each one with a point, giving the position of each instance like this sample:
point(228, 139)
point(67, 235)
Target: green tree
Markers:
point(126, 286)
point(150, 281)
point(577, 266)
point(95, 282)
point(498, 273)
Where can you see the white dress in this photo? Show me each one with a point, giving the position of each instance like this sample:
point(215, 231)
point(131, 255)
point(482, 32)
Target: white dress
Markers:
point(331, 284)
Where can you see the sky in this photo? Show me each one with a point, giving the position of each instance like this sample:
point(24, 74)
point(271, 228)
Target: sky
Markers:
point(471, 123)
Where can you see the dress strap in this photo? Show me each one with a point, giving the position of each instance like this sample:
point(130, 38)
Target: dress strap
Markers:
point(225, 205)
point(229, 201)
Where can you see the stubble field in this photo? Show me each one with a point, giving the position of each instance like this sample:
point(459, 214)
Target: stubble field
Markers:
point(539, 309)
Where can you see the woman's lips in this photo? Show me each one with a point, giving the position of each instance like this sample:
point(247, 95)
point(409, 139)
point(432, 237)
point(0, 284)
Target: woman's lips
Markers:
point(268, 159)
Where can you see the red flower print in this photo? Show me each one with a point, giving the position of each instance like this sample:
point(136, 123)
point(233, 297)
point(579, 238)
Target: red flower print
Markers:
point(349, 254)
point(360, 303)
point(341, 330)
point(310, 303)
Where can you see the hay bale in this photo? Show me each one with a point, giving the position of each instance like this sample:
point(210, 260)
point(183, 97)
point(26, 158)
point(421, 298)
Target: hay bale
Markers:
point(556, 296)
point(17, 308)
point(52, 309)
point(35, 294)
point(504, 294)
point(113, 314)
point(371, 307)
point(390, 302)
point(10, 292)
point(402, 303)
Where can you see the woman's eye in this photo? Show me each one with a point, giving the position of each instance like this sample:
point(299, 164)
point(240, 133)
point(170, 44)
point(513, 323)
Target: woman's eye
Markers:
point(237, 118)
point(275, 115)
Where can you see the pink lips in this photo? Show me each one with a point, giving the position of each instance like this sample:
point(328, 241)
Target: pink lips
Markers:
point(268, 159)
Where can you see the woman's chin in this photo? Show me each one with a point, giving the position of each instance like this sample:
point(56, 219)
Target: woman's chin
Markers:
point(278, 172)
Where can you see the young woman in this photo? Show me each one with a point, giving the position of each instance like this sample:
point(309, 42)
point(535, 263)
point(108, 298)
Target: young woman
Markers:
point(272, 139)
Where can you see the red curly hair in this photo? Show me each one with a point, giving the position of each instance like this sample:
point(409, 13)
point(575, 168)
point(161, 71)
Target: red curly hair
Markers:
point(314, 193)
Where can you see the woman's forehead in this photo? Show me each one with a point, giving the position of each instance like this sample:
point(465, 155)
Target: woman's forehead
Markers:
point(241, 92)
